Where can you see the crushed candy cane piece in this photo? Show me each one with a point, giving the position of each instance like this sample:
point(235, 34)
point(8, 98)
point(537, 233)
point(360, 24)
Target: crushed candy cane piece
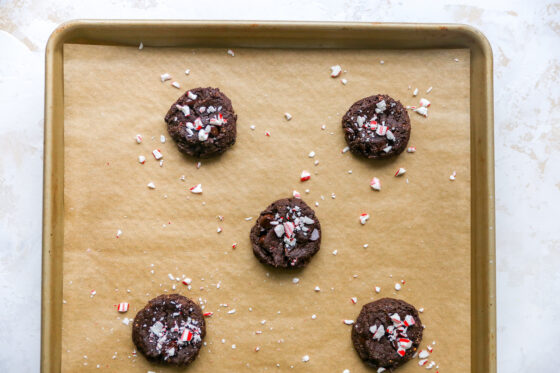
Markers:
point(335, 71)
point(421, 310)
point(176, 85)
point(401, 352)
point(344, 81)
point(165, 77)
point(219, 230)
point(151, 185)
point(345, 149)
point(390, 135)
point(377, 332)
point(230, 52)
point(288, 116)
point(400, 171)
point(387, 149)
point(191, 95)
point(92, 293)
point(431, 365)
point(197, 189)
point(381, 130)
point(354, 300)
point(411, 149)
point(424, 102)
point(207, 314)
point(305, 176)
point(409, 321)
point(377, 289)
point(234, 245)
point(295, 280)
point(421, 110)
point(397, 286)
point(296, 194)
point(311, 154)
point(429, 89)
point(186, 281)
point(126, 321)
point(267, 133)
point(317, 288)
point(335, 252)
point(141, 159)
point(252, 127)
point(157, 154)
point(375, 184)
point(380, 370)
point(187, 71)
point(415, 92)
point(453, 175)
point(122, 307)
point(423, 362)
point(162, 139)
point(141, 46)
point(198, 165)
point(423, 354)
point(305, 358)
point(364, 218)
point(348, 322)
point(139, 138)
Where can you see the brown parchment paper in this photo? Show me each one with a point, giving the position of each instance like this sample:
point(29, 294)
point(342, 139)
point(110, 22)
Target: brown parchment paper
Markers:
point(419, 229)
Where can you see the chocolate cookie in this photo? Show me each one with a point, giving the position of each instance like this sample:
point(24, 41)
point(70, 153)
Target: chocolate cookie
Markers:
point(202, 122)
point(287, 234)
point(169, 330)
point(387, 333)
point(376, 127)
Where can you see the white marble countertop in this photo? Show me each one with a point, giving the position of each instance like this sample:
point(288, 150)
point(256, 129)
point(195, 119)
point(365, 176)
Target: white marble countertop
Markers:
point(525, 38)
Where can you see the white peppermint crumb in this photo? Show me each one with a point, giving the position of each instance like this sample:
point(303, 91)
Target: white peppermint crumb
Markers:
point(305, 359)
point(252, 127)
point(335, 71)
point(141, 46)
point(345, 149)
point(311, 154)
point(288, 116)
point(397, 286)
point(348, 322)
point(231, 311)
point(429, 90)
point(263, 322)
point(421, 310)
point(223, 340)
point(349, 171)
point(317, 288)
point(126, 321)
point(162, 139)
point(161, 163)
point(323, 127)
point(313, 316)
point(377, 289)
point(316, 204)
point(165, 77)
point(335, 252)
point(233, 347)
point(295, 280)
point(456, 59)
point(119, 233)
point(415, 92)
point(151, 185)
point(344, 81)
point(176, 85)
point(346, 371)
point(249, 218)
point(306, 190)
point(316, 162)
point(171, 277)
point(141, 159)
point(453, 175)
point(187, 71)
point(382, 62)
point(231, 53)
point(366, 246)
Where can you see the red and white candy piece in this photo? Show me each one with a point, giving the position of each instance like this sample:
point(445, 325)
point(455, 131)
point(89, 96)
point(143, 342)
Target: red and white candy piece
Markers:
point(139, 138)
point(335, 71)
point(207, 314)
point(122, 307)
point(119, 233)
point(187, 281)
point(409, 321)
point(230, 52)
point(191, 95)
point(424, 102)
point(404, 343)
point(354, 300)
point(197, 189)
point(186, 336)
point(422, 110)
point(364, 218)
point(305, 175)
point(288, 229)
point(423, 362)
point(401, 352)
point(267, 133)
point(381, 130)
point(423, 354)
point(430, 349)
point(396, 319)
point(453, 175)
point(375, 184)
point(377, 331)
point(185, 109)
point(296, 194)
point(400, 171)
point(411, 149)
point(234, 245)
point(157, 154)
point(141, 159)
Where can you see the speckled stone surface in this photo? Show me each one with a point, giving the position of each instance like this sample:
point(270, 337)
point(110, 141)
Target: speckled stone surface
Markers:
point(524, 36)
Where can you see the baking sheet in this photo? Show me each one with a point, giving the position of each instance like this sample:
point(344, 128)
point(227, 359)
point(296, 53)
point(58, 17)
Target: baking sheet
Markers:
point(419, 230)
